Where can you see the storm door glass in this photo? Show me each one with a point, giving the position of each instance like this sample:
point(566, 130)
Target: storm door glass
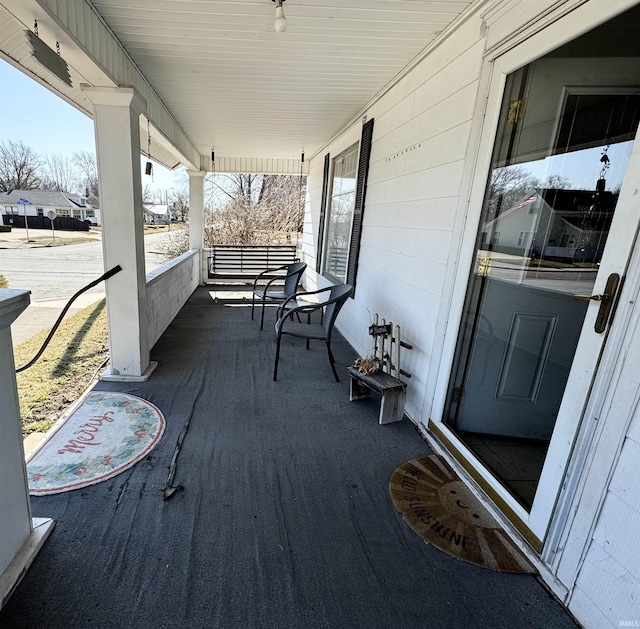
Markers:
point(559, 159)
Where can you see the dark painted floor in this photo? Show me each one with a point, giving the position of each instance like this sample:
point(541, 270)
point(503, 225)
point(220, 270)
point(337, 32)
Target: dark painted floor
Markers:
point(285, 518)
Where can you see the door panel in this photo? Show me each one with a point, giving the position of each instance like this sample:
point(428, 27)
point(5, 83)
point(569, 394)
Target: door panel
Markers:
point(518, 371)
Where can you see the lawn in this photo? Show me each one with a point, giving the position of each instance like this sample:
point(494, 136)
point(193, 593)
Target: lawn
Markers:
point(73, 358)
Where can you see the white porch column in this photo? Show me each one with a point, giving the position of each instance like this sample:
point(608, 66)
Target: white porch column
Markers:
point(196, 212)
point(20, 537)
point(116, 121)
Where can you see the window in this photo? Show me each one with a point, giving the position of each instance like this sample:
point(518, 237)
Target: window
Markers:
point(345, 211)
point(524, 238)
point(63, 212)
point(340, 218)
point(40, 211)
point(323, 211)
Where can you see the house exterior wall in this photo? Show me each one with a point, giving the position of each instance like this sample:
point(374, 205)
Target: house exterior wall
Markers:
point(607, 590)
point(419, 220)
point(420, 139)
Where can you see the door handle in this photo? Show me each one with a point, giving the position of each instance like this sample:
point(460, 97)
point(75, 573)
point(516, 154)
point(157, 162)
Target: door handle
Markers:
point(607, 302)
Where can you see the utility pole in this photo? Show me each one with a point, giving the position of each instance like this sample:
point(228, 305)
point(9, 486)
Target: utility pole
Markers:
point(166, 198)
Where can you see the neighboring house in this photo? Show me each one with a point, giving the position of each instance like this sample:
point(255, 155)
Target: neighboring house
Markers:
point(157, 214)
point(552, 224)
point(40, 202)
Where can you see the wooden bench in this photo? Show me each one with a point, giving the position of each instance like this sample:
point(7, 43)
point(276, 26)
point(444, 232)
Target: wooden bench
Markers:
point(233, 264)
point(386, 351)
point(392, 390)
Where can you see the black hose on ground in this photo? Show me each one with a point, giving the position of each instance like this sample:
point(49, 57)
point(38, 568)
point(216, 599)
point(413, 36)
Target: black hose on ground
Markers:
point(105, 276)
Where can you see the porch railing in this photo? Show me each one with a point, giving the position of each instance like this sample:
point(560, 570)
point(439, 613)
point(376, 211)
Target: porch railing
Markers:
point(168, 289)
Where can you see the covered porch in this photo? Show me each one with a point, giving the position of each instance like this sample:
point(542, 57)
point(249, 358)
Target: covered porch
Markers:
point(284, 519)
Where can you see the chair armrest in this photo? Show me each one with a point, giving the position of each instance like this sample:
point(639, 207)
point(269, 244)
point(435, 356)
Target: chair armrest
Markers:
point(283, 305)
point(282, 315)
point(278, 268)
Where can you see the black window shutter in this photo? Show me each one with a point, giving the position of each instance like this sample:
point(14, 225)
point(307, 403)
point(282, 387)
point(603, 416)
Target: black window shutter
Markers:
point(358, 210)
point(323, 210)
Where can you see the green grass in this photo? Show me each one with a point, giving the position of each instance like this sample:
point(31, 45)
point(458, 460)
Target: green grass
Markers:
point(58, 242)
point(65, 369)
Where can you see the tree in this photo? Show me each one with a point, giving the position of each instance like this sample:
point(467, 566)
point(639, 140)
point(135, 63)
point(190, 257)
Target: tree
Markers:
point(148, 196)
point(180, 205)
point(258, 209)
point(60, 173)
point(282, 199)
point(19, 166)
point(509, 185)
point(246, 209)
point(87, 175)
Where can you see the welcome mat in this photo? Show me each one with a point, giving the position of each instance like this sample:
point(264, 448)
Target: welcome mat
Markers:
point(439, 507)
point(104, 435)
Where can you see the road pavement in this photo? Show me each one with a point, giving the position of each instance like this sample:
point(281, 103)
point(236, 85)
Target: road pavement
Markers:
point(54, 273)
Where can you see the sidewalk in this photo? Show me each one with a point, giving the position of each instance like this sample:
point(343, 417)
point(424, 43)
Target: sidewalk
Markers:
point(42, 314)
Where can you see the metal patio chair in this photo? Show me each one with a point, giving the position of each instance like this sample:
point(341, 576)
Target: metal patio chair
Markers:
point(277, 293)
point(329, 307)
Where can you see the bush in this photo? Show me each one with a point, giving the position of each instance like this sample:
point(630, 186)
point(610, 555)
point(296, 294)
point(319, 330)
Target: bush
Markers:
point(5, 228)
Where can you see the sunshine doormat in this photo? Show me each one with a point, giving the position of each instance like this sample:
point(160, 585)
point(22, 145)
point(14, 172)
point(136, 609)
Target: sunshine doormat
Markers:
point(439, 507)
point(104, 435)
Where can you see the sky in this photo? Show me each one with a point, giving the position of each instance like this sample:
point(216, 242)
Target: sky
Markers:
point(47, 124)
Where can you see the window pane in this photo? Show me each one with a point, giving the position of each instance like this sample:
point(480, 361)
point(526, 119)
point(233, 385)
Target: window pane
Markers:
point(340, 214)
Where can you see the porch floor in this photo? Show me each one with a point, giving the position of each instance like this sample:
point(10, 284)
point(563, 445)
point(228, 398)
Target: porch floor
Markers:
point(284, 521)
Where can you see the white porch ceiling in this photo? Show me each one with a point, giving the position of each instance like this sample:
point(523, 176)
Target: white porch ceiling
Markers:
point(227, 79)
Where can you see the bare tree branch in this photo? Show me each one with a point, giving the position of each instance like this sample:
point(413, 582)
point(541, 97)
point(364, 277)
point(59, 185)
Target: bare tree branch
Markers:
point(256, 209)
point(19, 166)
point(62, 174)
point(88, 175)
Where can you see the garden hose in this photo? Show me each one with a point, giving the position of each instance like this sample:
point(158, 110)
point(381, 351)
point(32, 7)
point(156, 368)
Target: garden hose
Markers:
point(105, 276)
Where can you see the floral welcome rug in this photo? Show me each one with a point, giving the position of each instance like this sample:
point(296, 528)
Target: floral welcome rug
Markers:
point(104, 435)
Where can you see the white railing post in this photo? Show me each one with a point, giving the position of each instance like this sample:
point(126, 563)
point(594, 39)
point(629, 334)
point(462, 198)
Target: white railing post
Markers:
point(20, 536)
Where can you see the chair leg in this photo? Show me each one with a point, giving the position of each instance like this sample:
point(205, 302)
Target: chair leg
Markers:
point(275, 367)
point(253, 303)
point(262, 318)
point(332, 361)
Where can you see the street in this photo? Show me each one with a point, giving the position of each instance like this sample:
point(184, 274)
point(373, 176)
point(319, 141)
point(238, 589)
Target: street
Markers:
point(54, 274)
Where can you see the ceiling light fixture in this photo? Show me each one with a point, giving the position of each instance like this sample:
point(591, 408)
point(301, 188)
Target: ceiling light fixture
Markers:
point(281, 21)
